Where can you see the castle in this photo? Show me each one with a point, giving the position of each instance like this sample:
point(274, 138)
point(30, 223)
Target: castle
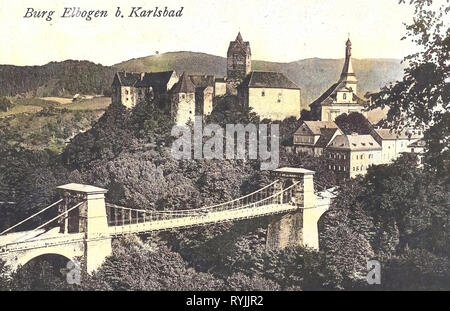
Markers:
point(271, 95)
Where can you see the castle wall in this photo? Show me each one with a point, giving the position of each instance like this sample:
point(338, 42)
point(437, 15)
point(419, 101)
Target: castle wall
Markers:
point(183, 107)
point(238, 65)
point(276, 104)
point(220, 89)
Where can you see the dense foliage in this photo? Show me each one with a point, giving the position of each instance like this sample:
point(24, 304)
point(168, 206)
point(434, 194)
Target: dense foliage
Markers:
point(5, 104)
point(422, 97)
point(354, 123)
point(56, 79)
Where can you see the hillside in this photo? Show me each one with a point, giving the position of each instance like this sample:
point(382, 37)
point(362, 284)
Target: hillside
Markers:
point(66, 78)
point(55, 79)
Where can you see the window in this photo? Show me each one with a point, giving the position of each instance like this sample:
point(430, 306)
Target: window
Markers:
point(183, 96)
point(345, 95)
point(126, 92)
point(279, 100)
point(263, 93)
point(344, 156)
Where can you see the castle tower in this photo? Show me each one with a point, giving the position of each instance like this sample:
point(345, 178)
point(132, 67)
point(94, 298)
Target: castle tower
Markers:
point(182, 100)
point(239, 62)
point(348, 75)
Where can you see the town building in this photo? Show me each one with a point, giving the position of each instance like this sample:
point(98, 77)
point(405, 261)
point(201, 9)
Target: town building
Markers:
point(342, 96)
point(394, 143)
point(312, 137)
point(351, 155)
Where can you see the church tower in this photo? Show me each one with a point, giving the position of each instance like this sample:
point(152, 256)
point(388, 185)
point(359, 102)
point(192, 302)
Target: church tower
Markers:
point(348, 76)
point(239, 61)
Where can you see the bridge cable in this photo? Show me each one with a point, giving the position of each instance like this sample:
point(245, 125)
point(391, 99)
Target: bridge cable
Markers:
point(34, 215)
point(51, 220)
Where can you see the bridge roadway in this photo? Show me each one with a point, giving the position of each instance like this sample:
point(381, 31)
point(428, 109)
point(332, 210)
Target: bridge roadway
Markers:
point(27, 240)
point(252, 211)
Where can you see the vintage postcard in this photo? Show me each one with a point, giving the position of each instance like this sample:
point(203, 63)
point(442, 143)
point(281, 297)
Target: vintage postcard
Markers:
point(193, 145)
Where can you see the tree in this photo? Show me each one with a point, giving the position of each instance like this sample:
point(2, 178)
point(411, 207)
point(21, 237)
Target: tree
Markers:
point(4, 279)
point(138, 266)
point(422, 97)
point(354, 123)
point(5, 104)
point(416, 270)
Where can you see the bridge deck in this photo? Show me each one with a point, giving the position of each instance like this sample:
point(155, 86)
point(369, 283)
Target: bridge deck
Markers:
point(207, 218)
point(51, 237)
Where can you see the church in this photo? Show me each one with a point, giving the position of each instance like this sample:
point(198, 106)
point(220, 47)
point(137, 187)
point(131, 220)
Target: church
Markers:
point(341, 97)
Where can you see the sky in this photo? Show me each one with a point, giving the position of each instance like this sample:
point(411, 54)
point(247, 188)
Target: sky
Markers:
point(280, 31)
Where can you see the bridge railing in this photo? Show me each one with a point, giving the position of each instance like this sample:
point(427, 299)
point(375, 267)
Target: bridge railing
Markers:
point(121, 216)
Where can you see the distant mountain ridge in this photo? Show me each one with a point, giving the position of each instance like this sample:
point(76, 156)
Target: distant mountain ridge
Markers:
point(312, 75)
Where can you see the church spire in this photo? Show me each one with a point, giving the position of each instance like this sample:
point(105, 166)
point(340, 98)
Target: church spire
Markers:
point(348, 75)
point(239, 37)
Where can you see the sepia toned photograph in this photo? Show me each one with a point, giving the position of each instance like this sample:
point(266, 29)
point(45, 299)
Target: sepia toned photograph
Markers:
point(225, 151)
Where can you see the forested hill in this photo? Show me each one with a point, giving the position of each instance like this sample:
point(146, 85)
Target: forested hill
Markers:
point(56, 79)
point(313, 75)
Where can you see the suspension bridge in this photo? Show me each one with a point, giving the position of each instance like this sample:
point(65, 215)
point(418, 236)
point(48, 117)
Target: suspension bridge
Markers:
point(85, 224)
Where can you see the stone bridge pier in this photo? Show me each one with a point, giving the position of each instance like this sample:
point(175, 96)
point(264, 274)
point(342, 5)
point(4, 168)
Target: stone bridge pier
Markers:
point(298, 228)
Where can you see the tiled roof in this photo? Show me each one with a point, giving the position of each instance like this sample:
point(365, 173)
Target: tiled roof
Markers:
point(144, 79)
point(317, 126)
point(325, 136)
point(128, 78)
point(325, 95)
point(388, 134)
point(355, 142)
point(239, 45)
point(156, 78)
point(202, 80)
point(184, 85)
point(268, 79)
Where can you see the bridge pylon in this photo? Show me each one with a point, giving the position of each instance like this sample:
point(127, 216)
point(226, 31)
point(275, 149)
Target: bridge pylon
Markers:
point(89, 218)
point(299, 227)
